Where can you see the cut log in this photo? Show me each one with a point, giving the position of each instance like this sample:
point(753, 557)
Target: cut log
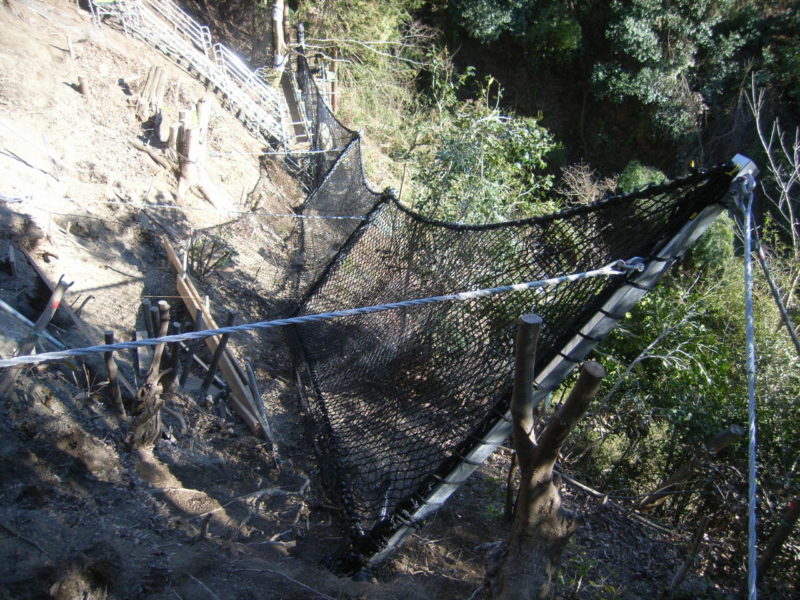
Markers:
point(188, 155)
point(146, 410)
point(83, 86)
point(241, 398)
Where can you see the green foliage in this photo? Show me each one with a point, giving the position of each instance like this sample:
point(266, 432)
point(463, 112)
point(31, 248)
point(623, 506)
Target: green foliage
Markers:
point(545, 28)
point(782, 52)
point(636, 175)
point(677, 376)
point(207, 254)
point(380, 50)
point(487, 20)
point(671, 57)
point(553, 36)
point(479, 165)
point(714, 249)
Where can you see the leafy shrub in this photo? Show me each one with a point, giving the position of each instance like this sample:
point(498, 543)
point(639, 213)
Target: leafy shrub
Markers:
point(487, 20)
point(636, 175)
point(479, 165)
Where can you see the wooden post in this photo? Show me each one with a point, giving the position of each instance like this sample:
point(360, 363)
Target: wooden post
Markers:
point(203, 109)
point(212, 366)
point(170, 380)
point(785, 526)
point(163, 328)
point(144, 94)
point(70, 49)
point(187, 155)
point(279, 49)
point(287, 32)
point(160, 87)
point(184, 122)
point(528, 329)
point(147, 406)
point(137, 365)
point(333, 82)
point(12, 260)
point(217, 381)
point(83, 86)
point(301, 41)
point(265, 426)
point(172, 138)
point(113, 382)
point(146, 101)
point(148, 320)
point(155, 320)
point(541, 527)
point(192, 349)
point(29, 343)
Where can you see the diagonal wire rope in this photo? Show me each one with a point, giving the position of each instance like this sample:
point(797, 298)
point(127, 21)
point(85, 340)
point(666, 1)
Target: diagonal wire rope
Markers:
point(776, 294)
point(167, 207)
point(618, 267)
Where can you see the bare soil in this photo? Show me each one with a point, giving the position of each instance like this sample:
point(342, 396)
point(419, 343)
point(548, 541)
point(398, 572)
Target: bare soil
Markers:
point(211, 511)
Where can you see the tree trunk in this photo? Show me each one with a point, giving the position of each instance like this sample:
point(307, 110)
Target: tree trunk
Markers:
point(541, 526)
point(279, 48)
point(146, 411)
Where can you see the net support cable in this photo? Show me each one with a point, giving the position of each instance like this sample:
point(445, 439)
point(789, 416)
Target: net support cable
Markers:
point(776, 294)
point(619, 267)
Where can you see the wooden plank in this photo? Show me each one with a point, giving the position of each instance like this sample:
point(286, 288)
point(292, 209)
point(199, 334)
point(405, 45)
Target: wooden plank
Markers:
point(79, 324)
point(243, 402)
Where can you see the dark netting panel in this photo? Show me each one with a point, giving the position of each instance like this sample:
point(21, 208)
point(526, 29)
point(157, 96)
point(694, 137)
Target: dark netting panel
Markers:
point(342, 193)
point(328, 136)
point(313, 240)
point(399, 396)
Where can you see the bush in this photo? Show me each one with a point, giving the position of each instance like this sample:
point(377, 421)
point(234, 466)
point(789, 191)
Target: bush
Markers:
point(636, 175)
point(479, 165)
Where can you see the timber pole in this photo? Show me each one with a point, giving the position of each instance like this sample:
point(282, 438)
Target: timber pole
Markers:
point(192, 350)
point(528, 329)
point(29, 343)
point(113, 380)
point(212, 367)
point(541, 528)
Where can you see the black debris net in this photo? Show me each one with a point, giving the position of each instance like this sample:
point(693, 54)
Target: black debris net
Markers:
point(398, 398)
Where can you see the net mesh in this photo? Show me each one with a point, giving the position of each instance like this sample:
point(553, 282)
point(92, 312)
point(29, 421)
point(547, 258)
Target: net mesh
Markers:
point(398, 398)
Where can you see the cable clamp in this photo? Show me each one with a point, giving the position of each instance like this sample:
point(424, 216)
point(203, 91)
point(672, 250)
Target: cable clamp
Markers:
point(635, 264)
